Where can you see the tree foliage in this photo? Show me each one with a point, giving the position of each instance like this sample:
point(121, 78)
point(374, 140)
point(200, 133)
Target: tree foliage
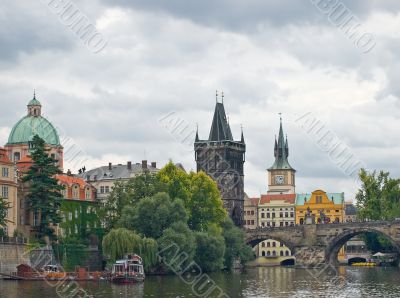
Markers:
point(44, 197)
point(4, 206)
point(210, 250)
point(378, 197)
point(236, 248)
point(151, 216)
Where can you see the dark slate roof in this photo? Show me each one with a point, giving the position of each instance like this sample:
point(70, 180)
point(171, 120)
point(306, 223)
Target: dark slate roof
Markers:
point(117, 172)
point(220, 130)
point(350, 209)
point(281, 152)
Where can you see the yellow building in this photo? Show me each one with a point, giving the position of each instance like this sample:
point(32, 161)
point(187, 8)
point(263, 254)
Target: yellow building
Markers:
point(324, 207)
point(8, 190)
point(321, 208)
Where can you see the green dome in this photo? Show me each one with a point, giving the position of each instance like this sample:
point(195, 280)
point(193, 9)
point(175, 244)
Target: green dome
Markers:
point(34, 102)
point(29, 126)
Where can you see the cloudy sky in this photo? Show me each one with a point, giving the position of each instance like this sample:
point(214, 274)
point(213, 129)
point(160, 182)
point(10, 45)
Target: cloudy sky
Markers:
point(165, 59)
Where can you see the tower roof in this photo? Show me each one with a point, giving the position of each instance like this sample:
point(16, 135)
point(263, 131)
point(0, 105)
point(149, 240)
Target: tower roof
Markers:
point(34, 101)
point(220, 129)
point(281, 152)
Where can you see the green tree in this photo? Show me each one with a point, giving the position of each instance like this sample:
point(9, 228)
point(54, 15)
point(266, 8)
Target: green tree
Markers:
point(128, 193)
point(119, 242)
point(151, 216)
point(205, 204)
point(210, 251)
point(177, 247)
point(378, 197)
point(235, 246)
point(44, 197)
point(4, 206)
point(176, 181)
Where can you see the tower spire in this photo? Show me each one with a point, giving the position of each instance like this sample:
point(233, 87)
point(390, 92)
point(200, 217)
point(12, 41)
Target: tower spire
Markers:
point(34, 93)
point(281, 149)
point(197, 133)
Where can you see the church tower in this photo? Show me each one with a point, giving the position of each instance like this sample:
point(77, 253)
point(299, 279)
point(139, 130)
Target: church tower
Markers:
point(281, 176)
point(222, 159)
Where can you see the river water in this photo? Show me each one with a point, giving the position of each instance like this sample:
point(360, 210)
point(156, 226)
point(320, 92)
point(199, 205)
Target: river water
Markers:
point(255, 282)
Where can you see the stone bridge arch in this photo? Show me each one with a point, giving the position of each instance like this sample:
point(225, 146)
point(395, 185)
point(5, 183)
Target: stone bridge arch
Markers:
point(255, 238)
point(335, 243)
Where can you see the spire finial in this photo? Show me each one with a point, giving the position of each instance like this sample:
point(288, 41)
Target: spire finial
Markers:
point(34, 93)
point(216, 95)
point(280, 117)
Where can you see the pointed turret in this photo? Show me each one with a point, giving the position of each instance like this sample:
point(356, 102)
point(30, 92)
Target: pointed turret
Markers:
point(242, 136)
point(220, 129)
point(281, 151)
point(197, 133)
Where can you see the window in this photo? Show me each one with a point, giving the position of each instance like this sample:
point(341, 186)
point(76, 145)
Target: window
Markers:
point(291, 214)
point(107, 189)
point(273, 224)
point(252, 222)
point(87, 193)
point(35, 219)
point(252, 212)
point(273, 215)
point(4, 192)
point(101, 189)
point(75, 192)
point(268, 215)
point(281, 253)
point(281, 224)
point(274, 253)
point(263, 244)
point(286, 214)
point(5, 172)
point(268, 253)
point(273, 244)
point(263, 224)
point(319, 199)
point(281, 244)
point(287, 253)
point(268, 244)
point(262, 215)
point(17, 156)
point(286, 223)
point(280, 214)
point(268, 224)
point(263, 253)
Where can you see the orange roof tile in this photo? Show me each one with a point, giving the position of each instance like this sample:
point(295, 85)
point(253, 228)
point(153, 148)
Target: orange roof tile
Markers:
point(4, 156)
point(288, 198)
point(65, 179)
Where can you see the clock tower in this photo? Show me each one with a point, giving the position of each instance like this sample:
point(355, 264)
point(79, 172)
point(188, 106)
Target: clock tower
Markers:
point(281, 175)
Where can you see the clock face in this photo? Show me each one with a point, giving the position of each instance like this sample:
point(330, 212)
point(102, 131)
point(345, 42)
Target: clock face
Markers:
point(279, 179)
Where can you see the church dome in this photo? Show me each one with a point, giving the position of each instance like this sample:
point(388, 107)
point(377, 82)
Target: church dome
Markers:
point(31, 125)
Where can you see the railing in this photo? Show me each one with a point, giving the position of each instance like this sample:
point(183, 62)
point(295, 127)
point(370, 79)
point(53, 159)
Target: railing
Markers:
point(13, 240)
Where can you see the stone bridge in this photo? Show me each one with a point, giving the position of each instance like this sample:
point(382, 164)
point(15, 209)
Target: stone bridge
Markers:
point(314, 245)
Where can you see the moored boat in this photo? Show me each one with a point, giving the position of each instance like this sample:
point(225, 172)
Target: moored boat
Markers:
point(128, 270)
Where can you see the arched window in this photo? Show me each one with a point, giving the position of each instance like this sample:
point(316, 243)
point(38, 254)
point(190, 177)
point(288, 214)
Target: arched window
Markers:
point(274, 253)
point(88, 193)
point(281, 253)
point(75, 192)
point(302, 221)
point(263, 244)
point(268, 253)
point(287, 253)
point(263, 253)
point(268, 244)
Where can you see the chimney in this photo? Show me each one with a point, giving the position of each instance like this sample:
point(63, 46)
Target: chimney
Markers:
point(153, 164)
point(129, 165)
point(110, 166)
point(144, 164)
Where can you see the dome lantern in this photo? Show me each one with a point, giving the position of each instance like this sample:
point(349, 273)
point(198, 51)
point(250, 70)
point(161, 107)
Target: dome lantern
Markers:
point(34, 107)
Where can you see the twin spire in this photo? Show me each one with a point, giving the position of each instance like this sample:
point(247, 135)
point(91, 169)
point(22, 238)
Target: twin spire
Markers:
point(281, 150)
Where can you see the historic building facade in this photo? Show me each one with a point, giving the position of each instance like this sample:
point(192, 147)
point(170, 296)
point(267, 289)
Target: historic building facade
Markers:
point(16, 155)
point(222, 158)
point(8, 190)
point(277, 210)
point(250, 213)
point(104, 178)
point(25, 129)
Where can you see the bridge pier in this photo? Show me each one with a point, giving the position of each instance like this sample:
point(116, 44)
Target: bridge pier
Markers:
point(309, 256)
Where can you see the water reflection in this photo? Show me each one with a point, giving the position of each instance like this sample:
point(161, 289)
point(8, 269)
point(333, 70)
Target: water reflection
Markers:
point(257, 282)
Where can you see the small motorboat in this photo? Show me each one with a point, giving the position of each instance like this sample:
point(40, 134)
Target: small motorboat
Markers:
point(128, 270)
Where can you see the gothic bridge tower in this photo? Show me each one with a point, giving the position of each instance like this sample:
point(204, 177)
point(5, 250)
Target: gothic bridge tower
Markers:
point(222, 159)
